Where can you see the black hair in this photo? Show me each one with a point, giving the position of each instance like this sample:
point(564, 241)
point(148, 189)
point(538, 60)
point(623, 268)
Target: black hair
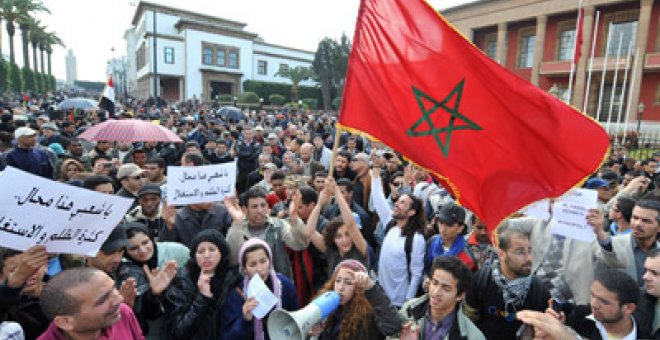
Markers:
point(252, 248)
point(651, 205)
point(192, 143)
point(254, 192)
point(619, 283)
point(308, 195)
point(625, 206)
point(416, 222)
point(158, 161)
point(345, 154)
point(55, 299)
point(92, 182)
point(99, 156)
point(134, 228)
point(194, 157)
point(7, 253)
point(193, 269)
point(321, 174)
point(456, 268)
point(346, 183)
point(277, 175)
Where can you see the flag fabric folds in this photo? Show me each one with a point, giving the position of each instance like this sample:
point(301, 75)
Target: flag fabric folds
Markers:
point(497, 142)
point(107, 100)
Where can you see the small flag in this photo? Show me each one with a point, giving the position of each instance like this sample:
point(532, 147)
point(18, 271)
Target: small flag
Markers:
point(578, 36)
point(497, 142)
point(107, 100)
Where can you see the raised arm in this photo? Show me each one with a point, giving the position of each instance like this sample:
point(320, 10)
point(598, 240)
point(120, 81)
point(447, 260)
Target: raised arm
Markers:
point(347, 217)
point(381, 205)
point(310, 229)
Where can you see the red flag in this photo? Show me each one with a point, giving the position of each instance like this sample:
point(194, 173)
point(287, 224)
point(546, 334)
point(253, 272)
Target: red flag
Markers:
point(578, 36)
point(498, 142)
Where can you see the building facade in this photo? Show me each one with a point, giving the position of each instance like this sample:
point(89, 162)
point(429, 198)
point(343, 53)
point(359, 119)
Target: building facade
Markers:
point(535, 39)
point(71, 68)
point(198, 56)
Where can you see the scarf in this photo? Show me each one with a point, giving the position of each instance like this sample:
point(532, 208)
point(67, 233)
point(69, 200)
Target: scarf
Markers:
point(514, 291)
point(277, 290)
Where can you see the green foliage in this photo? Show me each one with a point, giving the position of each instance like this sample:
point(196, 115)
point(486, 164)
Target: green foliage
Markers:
point(296, 75)
point(296, 106)
point(276, 99)
point(4, 77)
point(249, 98)
point(265, 89)
point(90, 85)
point(15, 81)
point(336, 103)
point(311, 103)
point(38, 84)
point(28, 79)
point(53, 83)
point(330, 65)
point(225, 98)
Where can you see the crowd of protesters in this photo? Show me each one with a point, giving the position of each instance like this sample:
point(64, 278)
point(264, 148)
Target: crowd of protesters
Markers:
point(406, 261)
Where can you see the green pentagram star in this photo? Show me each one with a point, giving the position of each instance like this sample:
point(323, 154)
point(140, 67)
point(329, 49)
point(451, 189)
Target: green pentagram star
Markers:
point(453, 111)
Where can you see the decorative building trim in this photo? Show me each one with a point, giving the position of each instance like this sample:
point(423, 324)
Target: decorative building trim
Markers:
point(275, 55)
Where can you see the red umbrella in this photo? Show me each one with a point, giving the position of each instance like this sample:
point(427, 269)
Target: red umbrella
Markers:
point(130, 130)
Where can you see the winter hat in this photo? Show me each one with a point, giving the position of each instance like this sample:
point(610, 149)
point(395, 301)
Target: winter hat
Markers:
point(213, 236)
point(353, 265)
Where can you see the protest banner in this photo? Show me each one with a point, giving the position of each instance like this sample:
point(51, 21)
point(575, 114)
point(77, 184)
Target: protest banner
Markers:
point(569, 217)
point(200, 184)
point(64, 218)
point(539, 209)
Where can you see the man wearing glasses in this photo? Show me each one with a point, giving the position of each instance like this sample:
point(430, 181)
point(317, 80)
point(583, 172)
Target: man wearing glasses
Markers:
point(497, 292)
point(131, 178)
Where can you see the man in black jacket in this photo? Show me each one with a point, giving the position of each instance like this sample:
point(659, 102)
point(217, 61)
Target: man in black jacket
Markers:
point(614, 298)
point(500, 290)
point(648, 321)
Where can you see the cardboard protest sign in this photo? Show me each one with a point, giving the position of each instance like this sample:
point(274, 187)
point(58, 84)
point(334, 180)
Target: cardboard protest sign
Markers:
point(200, 184)
point(67, 219)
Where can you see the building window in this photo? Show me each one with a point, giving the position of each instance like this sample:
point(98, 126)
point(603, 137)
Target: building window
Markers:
point(605, 106)
point(141, 58)
point(566, 44)
point(233, 59)
point(284, 68)
point(626, 32)
point(169, 55)
point(262, 67)
point(526, 53)
point(220, 57)
point(491, 49)
point(207, 56)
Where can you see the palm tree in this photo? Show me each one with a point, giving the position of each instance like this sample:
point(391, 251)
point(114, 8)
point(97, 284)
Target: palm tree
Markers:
point(51, 39)
point(296, 75)
point(36, 34)
point(27, 7)
point(11, 14)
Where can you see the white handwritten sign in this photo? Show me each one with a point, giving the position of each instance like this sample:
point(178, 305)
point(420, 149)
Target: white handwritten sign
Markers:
point(569, 217)
point(539, 209)
point(67, 219)
point(200, 184)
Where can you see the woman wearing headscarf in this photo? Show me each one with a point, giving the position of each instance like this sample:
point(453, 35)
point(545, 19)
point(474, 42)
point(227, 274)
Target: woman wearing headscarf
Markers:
point(197, 294)
point(255, 258)
point(153, 265)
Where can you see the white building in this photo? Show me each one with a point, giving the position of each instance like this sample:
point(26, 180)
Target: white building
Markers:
point(71, 68)
point(199, 56)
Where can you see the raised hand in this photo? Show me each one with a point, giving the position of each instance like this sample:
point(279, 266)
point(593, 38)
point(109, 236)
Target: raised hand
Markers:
point(159, 279)
point(128, 290)
point(235, 212)
point(204, 285)
point(362, 280)
point(29, 264)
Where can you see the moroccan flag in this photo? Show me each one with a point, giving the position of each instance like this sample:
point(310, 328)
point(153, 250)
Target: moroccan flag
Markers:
point(578, 36)
point(107, 100)
point(497, 142)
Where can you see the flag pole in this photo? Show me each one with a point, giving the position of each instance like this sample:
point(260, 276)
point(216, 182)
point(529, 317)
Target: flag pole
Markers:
point(335, 146)
point(575, 46)
point(613, 92)
point(619, 126)
point(632, 81)
point(602, 77)
point(591, 62)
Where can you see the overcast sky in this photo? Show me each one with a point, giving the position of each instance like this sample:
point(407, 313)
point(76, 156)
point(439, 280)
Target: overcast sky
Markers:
point(91, 28)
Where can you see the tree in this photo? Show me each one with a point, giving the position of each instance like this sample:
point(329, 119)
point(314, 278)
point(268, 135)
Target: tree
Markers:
point(296, 75)
point(51, 39)
point(18, 11)
point(330, 65)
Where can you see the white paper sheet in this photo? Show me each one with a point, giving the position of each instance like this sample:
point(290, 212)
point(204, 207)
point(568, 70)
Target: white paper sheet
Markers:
point(569, 216)
point(267, 300)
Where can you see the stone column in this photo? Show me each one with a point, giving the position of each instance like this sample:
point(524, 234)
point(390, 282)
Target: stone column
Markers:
point(541, 22)
point(577, 99)
point(500, 54)
point(642, 34)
